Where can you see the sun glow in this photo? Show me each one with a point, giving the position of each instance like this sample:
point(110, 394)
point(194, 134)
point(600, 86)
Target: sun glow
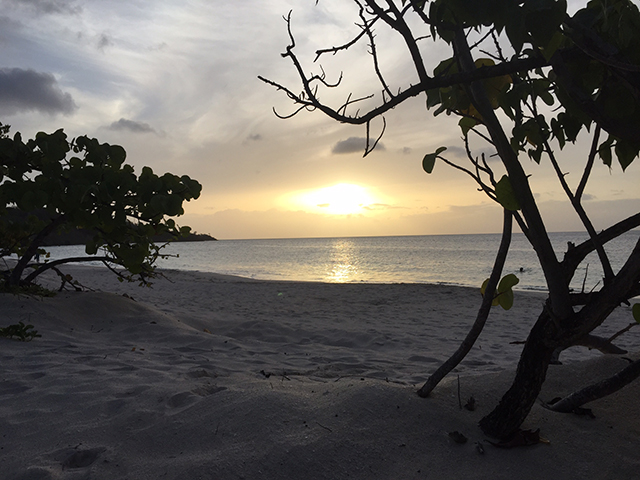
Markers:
point(340, 199)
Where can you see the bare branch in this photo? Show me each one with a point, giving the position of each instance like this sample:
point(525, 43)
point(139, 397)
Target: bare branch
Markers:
point(577, 253)
point(366, 26)
point(590, 162)
point(374, 54)
point(368, 150)
point(500, 69)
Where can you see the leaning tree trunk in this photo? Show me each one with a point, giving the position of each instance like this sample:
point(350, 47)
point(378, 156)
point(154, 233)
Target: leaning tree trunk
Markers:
point(483, 311)
point(549, 333)
point(515, 405)
point(32, 249)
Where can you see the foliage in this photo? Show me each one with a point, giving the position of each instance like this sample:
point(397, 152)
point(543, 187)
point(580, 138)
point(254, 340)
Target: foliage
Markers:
point(528, 79)
point(22, 332)
point(504, 292)
point(51, 184)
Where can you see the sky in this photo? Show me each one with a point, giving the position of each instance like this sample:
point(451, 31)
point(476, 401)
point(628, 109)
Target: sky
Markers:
point(175, 82)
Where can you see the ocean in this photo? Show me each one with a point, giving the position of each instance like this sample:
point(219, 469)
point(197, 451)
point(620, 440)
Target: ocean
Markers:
point(442, 259)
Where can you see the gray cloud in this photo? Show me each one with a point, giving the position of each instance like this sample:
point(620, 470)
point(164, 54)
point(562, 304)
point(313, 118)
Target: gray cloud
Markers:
point(352, 145)
point(51, 6)
point(28, 90)
point(255, 137)
point(132, 126)
point(104, 41)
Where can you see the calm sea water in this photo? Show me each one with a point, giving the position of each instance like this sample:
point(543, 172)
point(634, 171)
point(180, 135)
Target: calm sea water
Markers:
point(448, 259)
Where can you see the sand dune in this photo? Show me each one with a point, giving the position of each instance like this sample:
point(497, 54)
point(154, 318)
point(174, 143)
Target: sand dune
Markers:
point(216, 377)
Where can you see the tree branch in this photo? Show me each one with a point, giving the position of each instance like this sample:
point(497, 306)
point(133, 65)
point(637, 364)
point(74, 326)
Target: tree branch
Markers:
point(598, 390)
point(577, 253)
point(590, 161)
point(310, 99)
point(483, 311)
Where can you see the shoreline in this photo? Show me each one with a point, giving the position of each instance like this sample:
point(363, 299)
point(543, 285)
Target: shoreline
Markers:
point(222, 377)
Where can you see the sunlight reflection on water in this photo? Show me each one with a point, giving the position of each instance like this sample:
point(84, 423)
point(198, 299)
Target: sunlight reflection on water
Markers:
point(344, 260)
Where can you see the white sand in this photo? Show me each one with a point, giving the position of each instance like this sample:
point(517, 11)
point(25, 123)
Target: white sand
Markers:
point(289, 381)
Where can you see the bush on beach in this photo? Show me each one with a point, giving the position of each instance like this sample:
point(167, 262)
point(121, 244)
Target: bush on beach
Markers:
point(50, 184)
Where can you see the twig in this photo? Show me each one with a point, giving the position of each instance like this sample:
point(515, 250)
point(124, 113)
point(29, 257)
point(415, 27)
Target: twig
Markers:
point(326, 428)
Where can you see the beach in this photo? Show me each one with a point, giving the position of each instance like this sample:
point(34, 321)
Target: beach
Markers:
point(205, 376)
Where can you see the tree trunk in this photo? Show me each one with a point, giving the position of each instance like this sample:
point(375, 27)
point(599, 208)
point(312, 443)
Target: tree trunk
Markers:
point(32, 249)
point(515, 405)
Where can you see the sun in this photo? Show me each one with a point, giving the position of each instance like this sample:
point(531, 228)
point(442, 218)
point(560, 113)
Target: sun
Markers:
point(340, 199)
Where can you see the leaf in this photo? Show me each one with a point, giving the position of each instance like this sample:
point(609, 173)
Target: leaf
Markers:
point(505, 194)
point(429, 160)
point(505, 299)
point(483, 289)
point(604, 151)
point(635, 310)
point(626, 153)
point(466, 124)
point(508, 281)
point(505, 290)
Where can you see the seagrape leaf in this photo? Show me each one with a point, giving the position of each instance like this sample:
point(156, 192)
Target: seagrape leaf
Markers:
point(507, 282)
point(466, 124)
point(429, 160)
point(483, 289)
point(505, 290)
point(505, 194)
point(626, 153)
point(636, 312)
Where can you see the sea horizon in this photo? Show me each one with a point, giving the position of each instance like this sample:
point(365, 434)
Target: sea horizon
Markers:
point(453, 259)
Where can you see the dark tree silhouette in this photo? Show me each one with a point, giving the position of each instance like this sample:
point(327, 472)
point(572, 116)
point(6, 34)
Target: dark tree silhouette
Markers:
point(50, 184)
point(527, 78)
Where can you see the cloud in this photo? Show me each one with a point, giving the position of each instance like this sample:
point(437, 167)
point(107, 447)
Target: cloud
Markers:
point(131, 126)
point(52, 6)
point(352, 145)
point(28, 90)
point(104, 41)
point(382, 206)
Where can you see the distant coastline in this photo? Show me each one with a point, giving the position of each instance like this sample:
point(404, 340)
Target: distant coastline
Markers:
point(81, 237)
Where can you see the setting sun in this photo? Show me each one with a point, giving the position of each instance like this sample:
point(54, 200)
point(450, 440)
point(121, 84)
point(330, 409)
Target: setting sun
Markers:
point(340, 199)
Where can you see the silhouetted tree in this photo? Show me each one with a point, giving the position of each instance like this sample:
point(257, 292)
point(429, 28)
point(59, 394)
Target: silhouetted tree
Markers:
point(50, 184)
point(527, 78)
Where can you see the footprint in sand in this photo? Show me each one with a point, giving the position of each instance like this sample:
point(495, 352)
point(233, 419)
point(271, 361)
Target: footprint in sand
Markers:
point(82, 458)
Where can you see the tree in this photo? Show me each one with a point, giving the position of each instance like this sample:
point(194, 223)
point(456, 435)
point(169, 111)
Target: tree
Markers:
point(528, 79)
point(50, 184)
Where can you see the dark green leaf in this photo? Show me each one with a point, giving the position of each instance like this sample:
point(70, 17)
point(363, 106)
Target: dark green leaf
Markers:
point(626, 153)
point(429, 160)
point(505, 194)
point(466, 124)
